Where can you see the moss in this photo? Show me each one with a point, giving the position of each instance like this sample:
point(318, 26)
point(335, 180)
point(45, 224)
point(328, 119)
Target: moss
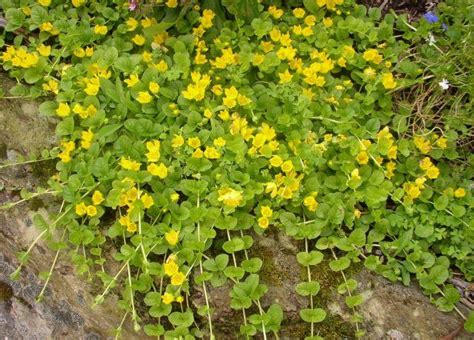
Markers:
point(6, 292)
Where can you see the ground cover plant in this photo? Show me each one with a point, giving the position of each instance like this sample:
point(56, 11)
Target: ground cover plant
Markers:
point(185, 128)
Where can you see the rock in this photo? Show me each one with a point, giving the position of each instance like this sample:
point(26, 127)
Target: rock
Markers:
point(394, 311)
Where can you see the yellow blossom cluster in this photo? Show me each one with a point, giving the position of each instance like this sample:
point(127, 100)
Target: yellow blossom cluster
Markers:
point(310, 202)
point(230, 197)
point(196, 91)
point(90, 210)
point(285, 184)
point(266, 213)
point(20, 57)
point(68, 147)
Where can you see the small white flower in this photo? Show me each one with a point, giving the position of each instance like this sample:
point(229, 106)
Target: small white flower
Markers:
point(444, 84)
point(431, 39)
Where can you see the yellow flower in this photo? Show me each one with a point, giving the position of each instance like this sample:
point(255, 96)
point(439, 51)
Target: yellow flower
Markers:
point(153, 147)
point(162, 66)
point(299, 12)
point(170, 268)
point(44, 3)
point(172, 237)
point(198, 153)
point(258, 59)
point(138, 39)
point(263, 222)
point(91, 211)
point(158, 170)
point(100, 29)
point(194, 142)
point(51, 85)
point(78, 3)
point(132, 24)
point(442, 142)
point(355, 174)
point(219, 142)
point(391, 166)
point(373, 56)
point(276, 161)
point(422, 144)
point(287, 166)
point(97, 198)
point(132, 227)
point(432, 172)
point(330, 4)
point(275, 12)
point(230, 197)
point(357, 213)
point(392, 152)
point(327, 22)
point(147, 201)
point(154, 87)
point(144, 97)
point(285, 77)
point(388, 81)
point(44, 50)
point(266, 211)
point(172, 3)
point(459, 193)
point(92, 86)
point(178, 279)
point(311, 203)
point(362, 157)
point(174, 197)
point(179, 299)
point(79, 52)
point(86, 139)
point(177, 141)
point(425, 163)
point(167, 298)
point(46, 27)
point(128, 164)
point(81, 209)
point(63, 110)
point(212, 153)
point(132, 80)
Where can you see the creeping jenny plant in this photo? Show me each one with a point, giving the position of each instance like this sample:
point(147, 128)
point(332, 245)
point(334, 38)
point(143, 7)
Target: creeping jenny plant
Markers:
point(181, 134)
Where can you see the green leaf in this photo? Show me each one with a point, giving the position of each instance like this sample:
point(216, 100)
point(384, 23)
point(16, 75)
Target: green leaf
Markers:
point(307, 288)
point(309, 259)
point(32, 75)
point(234, 245)
point(65, 127)
point(234, 272)
point(154, 330)
point(313, 315)
point(261, 27)
point(357, 237)
point(109, 89)
point(423, 230)
point(252, 265)
point(469, 324)
point(441, 202)
point(15, 19)
point(339, 264)
point(354, 300)
point(242, 9)
point(185, 319)
point(152, 299)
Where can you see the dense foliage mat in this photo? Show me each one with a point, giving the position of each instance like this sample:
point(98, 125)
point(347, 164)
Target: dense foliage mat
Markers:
point(187, 128)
